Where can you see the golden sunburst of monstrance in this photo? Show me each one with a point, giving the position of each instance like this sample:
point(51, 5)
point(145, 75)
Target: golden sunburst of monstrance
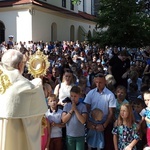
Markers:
point(38, 64)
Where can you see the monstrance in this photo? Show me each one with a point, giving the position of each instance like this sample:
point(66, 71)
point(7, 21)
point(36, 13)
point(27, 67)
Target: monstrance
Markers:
point(38, 64)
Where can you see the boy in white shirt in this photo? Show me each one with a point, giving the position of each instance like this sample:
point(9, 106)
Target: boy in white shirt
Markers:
point(54, 117)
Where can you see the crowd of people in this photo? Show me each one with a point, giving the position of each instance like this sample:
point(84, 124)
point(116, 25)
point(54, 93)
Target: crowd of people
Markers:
point(97, 98)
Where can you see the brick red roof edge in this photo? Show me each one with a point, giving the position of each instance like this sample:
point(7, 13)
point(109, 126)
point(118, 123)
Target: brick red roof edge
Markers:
point(48, 6)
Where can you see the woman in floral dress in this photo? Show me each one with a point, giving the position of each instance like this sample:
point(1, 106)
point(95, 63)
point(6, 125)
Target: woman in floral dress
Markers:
point(125, 135)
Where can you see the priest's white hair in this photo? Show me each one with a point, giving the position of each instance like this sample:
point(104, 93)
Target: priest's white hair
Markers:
point(12, 58)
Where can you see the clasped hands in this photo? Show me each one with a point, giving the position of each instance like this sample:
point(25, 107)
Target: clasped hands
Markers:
point(98, 127)
point(74, 108)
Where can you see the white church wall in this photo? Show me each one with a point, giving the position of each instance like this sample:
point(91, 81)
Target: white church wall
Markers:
point(18, 24)
point(9, 21)
point(42, 22)
point(35, 24)
point(24, 25)
point(87, 6)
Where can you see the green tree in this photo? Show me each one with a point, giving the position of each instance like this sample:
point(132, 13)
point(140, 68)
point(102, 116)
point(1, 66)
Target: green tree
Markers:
point(122, 23)
point(76, 2)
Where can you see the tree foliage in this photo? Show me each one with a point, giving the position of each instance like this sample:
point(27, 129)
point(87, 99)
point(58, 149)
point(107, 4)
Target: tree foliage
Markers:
point(122, 23)
point(76, 2)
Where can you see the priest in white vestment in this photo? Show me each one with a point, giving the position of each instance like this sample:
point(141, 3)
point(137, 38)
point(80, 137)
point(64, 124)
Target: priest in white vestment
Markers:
point(22, 105)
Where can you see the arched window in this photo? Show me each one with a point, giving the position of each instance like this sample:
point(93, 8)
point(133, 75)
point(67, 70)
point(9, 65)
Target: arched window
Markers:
point(2, 32)
point(82, 33)
point(72, 33)
point(53, 32)
point(94, 33)
point(89, 35)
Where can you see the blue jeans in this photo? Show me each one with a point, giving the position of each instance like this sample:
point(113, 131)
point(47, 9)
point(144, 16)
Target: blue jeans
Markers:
point(75, 143)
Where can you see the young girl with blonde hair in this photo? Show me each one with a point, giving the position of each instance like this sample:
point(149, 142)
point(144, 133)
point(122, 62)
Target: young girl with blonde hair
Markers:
point(125, 135)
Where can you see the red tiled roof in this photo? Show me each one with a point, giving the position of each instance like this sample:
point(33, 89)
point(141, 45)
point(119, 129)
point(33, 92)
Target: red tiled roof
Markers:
point(15, 2)
point(85, 15)
point(48, 6)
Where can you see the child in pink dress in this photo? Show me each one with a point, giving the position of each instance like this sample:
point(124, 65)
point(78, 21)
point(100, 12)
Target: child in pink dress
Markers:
point(45, 138)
